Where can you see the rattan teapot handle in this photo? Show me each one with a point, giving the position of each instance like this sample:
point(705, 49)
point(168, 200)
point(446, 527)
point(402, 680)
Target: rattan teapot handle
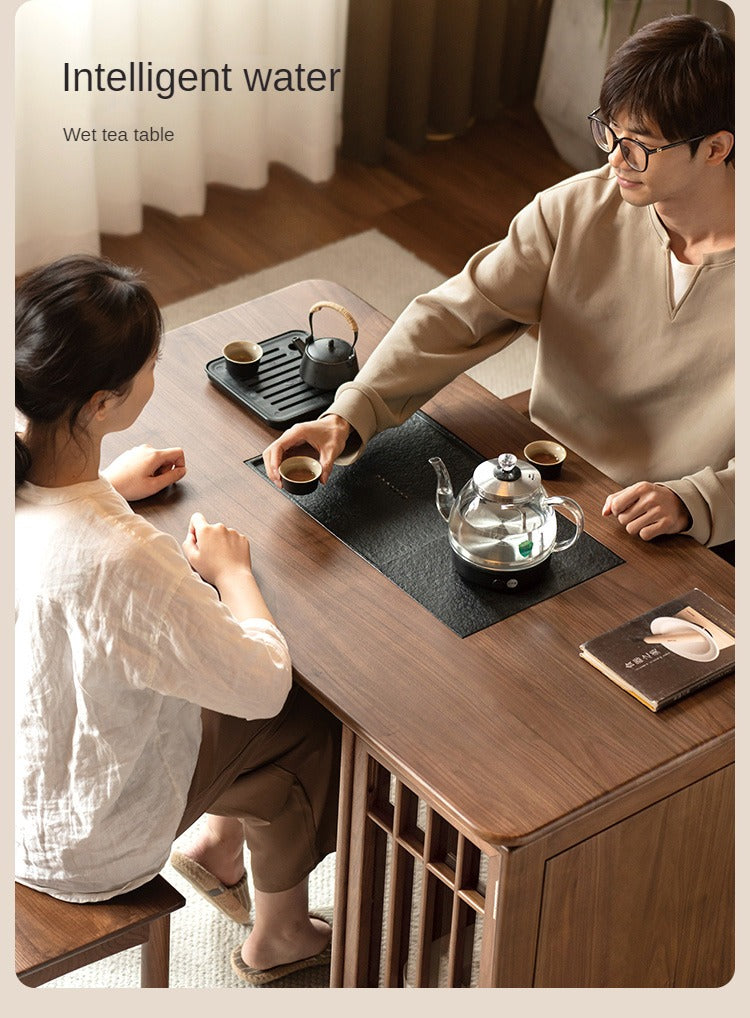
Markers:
point(341, 310)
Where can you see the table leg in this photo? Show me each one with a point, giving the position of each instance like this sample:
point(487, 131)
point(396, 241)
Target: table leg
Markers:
point(155, 955)
point(343, 836)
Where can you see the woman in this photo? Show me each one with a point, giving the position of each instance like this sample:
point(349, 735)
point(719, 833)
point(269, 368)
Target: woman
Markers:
point(152, 684)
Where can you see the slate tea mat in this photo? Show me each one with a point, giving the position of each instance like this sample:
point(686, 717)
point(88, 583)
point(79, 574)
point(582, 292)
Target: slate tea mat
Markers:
point(383, 507)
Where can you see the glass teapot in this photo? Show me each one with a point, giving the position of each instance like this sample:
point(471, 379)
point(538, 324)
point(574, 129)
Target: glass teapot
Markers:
point(502, 527)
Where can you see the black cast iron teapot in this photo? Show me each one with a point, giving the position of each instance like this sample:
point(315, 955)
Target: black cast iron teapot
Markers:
point(328, 363)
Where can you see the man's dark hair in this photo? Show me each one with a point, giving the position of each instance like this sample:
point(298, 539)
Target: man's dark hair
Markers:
point(676, 74)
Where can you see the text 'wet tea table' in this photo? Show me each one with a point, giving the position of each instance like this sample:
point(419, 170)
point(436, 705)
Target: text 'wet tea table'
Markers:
point(508, 816)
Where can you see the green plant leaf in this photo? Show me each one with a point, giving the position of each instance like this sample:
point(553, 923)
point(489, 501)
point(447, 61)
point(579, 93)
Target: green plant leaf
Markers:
point(636, 12)
point(607, 4)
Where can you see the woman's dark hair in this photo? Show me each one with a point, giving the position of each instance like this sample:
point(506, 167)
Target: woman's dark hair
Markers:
point(83, 325)
point(677, 74)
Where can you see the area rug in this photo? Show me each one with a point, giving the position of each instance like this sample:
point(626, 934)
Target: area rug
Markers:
point(387, 276)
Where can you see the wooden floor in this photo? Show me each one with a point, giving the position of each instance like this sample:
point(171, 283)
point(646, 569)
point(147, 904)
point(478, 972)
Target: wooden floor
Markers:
point(442, 204)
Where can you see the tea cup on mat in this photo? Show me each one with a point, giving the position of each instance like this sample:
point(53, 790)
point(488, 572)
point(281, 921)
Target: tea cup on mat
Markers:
point(546, 456)
point(242, 358)
point(300, 474)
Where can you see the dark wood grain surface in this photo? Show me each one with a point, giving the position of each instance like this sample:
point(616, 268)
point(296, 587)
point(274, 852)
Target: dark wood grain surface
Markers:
point(508, 730)
point(54, 937)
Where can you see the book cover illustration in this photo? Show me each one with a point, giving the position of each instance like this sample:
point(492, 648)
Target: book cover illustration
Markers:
point(672, 650)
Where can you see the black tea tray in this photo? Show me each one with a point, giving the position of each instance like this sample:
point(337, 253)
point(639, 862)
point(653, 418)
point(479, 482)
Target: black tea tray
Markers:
point(277, 394)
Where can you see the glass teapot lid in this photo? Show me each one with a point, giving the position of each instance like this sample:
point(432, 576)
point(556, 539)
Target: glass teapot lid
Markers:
point(507, 479)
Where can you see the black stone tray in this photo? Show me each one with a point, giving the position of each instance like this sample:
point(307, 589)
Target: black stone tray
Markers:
point(383, 507)
point(277, 394)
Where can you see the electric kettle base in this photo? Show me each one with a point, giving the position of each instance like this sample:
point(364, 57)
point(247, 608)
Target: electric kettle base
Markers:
point(509, 580)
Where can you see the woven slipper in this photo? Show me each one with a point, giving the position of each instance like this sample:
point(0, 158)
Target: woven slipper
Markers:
point(233, 901)
point(261, 977)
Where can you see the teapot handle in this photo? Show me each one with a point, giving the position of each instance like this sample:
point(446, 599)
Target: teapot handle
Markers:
point(576, 512)
point(341, 310)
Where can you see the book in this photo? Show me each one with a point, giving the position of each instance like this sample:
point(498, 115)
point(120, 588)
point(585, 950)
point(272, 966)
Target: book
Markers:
point(667, 653)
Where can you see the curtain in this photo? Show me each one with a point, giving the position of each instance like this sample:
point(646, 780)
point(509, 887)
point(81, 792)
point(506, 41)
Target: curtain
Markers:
point(419, 69)
point(68, 192)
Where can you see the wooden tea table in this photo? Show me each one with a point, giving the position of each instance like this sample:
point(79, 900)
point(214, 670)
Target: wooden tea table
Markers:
point(500, 798)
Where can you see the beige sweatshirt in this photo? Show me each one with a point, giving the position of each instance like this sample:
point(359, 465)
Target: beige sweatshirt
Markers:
point(639, 386)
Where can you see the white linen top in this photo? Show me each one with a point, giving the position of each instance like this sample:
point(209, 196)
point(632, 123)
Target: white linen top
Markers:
point(118, 645)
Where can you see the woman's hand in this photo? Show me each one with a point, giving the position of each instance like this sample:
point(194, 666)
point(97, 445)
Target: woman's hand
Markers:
point(215, 551)
point(221, 556)
point(144, 471)
point(648, 510)
point(327, 436)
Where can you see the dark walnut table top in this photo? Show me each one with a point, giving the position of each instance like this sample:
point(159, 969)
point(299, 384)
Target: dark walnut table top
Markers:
point(508, 730)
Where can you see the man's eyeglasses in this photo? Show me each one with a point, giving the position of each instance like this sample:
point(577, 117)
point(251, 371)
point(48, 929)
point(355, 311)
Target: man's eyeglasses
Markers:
point(634, 152)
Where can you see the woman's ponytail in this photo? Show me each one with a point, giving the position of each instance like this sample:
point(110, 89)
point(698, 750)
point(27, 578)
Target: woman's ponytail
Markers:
point(23, 460)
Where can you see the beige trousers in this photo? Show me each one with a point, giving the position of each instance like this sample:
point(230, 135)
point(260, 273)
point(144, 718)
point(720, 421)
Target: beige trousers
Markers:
point(280, 778)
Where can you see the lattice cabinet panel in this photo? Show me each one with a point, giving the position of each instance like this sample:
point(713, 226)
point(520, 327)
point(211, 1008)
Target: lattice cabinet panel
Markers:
point(425, 886)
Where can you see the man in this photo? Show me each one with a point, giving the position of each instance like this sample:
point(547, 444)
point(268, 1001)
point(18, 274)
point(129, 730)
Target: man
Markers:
point(627, 273)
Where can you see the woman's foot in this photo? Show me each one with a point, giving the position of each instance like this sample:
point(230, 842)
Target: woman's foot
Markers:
point(220, 850)
point(215, 867)
point(282, 944)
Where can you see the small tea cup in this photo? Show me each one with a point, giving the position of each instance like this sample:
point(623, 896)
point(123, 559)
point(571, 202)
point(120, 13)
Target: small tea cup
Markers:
point(300, 474)
point(242, 358)
point(548, 457)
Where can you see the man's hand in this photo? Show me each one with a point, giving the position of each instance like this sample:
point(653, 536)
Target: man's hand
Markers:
point(144, 471)
point(327, 436)
point(647, 510)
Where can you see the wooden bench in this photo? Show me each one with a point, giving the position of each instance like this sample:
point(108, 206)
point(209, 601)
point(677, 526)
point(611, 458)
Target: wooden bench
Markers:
point(55, 937)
